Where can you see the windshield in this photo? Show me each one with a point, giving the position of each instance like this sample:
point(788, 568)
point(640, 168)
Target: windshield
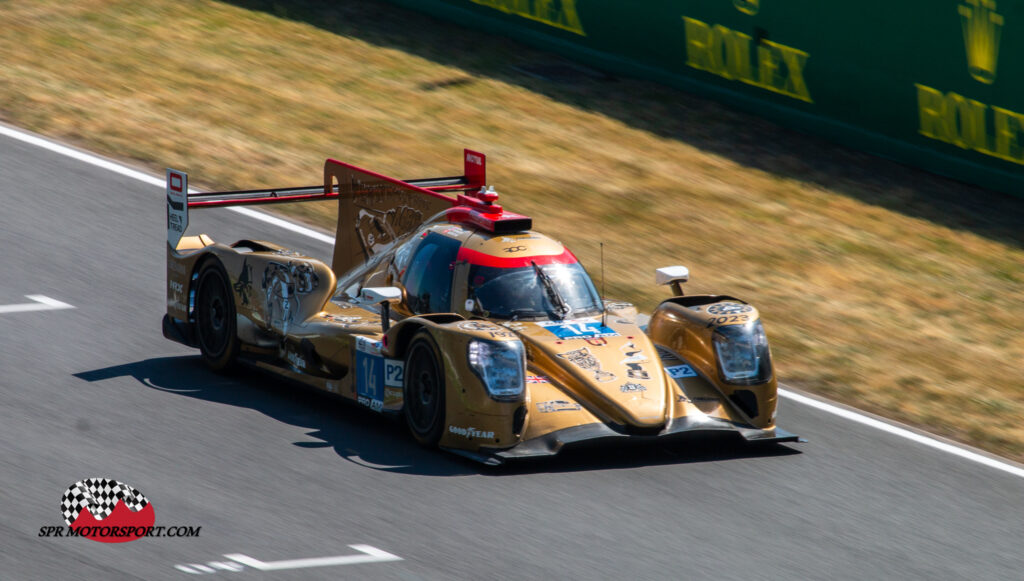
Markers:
point(507, 293)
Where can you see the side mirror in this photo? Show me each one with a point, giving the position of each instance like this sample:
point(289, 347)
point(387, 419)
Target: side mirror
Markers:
point(674, 275)
point(383, 296)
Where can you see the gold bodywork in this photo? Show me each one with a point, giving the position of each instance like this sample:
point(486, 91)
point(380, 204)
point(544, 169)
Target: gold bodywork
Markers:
point(601, 377)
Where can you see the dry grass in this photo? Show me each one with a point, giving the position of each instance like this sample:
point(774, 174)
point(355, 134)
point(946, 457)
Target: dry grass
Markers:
point(883, 287)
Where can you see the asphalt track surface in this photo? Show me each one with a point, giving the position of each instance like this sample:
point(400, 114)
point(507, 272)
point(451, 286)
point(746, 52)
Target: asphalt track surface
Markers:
point(276, 473)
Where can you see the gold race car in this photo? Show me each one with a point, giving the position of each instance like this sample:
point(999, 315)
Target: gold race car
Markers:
point(487, 337)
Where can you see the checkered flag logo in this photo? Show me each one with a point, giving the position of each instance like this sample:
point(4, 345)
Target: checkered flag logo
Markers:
point(100, 496)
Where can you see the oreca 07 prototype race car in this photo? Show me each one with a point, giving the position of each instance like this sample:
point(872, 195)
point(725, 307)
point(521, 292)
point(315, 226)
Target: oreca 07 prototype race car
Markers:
point(440, 306)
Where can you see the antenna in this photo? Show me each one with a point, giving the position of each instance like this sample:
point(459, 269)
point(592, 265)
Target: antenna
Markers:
point(604, 310)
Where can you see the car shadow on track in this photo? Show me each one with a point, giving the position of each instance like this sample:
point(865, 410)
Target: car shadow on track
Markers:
point(379, 443)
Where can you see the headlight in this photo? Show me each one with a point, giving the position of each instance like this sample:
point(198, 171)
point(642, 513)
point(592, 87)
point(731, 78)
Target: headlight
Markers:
point(500, 365)
point(742, 353)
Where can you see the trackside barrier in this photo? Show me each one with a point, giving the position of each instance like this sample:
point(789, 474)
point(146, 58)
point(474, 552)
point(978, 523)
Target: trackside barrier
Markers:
point(934, 83)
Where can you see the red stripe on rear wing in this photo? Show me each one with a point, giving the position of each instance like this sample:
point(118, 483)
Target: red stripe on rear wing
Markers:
point(474, 178)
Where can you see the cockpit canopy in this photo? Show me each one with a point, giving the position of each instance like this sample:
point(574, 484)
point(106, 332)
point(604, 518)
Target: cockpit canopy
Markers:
point(446, 268)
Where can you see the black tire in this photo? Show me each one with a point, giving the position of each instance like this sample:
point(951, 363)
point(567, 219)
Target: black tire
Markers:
point(424, 390)
point(215, 317)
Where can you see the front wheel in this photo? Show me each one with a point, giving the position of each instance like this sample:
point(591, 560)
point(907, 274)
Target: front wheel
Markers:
point(215, 317)
point(424, 409)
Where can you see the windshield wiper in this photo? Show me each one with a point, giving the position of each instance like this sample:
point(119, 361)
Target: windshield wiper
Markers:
point(556, 299)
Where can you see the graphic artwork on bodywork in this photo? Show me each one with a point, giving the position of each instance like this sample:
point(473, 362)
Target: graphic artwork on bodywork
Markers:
point(378, 229)
point(536, 379)
point(244, 284)
point(583, 359)
point(282, 283)
point(634, 357)
point(557, 405)
point(578, 329)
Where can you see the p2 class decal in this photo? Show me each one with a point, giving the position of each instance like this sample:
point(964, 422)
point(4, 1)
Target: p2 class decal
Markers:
point(680, 371)
point(103, 509)
point(578, 329)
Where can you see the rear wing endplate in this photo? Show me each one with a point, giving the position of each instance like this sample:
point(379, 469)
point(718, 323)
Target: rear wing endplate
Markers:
point(374, 210)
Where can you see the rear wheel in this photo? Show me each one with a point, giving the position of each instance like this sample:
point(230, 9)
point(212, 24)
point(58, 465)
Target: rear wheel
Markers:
point(424, 390)
point(215, 317)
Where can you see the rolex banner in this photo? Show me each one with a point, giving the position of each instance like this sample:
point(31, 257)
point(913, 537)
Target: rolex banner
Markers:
point(935, 83)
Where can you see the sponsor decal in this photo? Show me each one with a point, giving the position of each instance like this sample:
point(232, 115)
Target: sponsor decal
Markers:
point(296, 361)
point(583, 359)
point(110, 511)
point(561, 14)
point(176, 267)
point(747, 6)
point(681, 398)
point(596, 341)
point(478, 326)
point(470, 432)
point(964, 122)
point(982, 27)
point(679, 371)
point(374, 404)
point(557, 405)
point(519, 248)
point(736, 56)
point(634, 357)
point(176, 286)
point(578, 329)
point(367, 345)
point(177, 206)
point(632, 387)
point(729, 309)
point(342, 319)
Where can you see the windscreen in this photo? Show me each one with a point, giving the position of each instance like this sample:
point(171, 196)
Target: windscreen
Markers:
point(518, 293)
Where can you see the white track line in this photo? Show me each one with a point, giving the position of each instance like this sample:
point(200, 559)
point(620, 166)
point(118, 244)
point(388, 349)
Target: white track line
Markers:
point(845, 413)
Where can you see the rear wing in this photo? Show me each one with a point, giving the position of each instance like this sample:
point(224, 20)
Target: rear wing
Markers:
point(374, 210)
